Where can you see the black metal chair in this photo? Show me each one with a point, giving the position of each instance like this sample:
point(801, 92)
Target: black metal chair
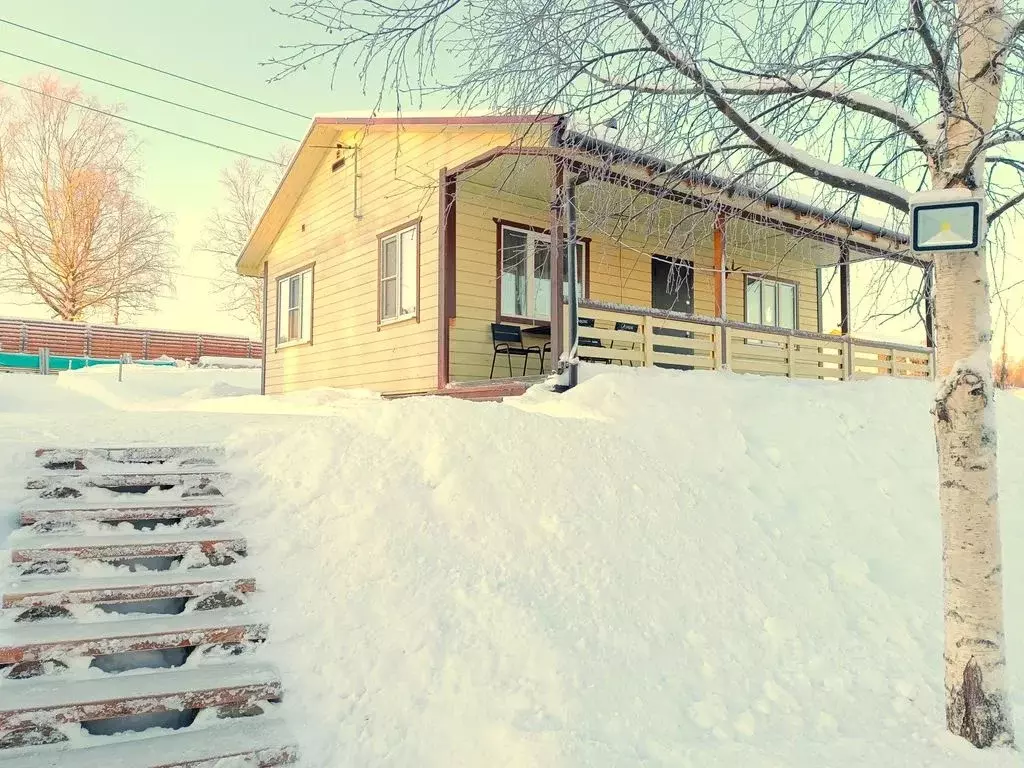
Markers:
point(508, 341)
point(631, 328)
point(543, 353)
point(588, 341)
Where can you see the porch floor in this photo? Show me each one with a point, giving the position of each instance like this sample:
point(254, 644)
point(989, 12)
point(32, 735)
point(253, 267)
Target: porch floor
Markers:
point(491, 389)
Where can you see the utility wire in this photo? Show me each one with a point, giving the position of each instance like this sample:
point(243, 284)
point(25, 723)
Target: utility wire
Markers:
point(150, 96)
point(154, 69)
point(143, 125)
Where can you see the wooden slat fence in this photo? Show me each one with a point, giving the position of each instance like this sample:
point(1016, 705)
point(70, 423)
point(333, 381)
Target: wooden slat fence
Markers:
point(110, 341)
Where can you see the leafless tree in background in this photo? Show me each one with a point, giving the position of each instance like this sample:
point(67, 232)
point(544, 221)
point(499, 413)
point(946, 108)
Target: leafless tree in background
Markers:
point(247, 188)
point(856, 105)
point(74, 232)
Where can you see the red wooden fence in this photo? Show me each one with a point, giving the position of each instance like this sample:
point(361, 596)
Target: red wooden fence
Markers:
point(111, 341)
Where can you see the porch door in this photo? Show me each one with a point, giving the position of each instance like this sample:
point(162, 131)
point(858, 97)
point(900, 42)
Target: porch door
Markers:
point(672, 289)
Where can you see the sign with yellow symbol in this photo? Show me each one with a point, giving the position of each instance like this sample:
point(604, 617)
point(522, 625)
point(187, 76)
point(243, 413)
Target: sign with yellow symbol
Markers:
point(945, 226)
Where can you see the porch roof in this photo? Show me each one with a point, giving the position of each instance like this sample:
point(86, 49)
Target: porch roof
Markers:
point(612, 152)
point(608, 162)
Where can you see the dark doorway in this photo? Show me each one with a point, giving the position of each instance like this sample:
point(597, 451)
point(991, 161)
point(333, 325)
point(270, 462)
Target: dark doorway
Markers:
point(672, 289)
point(671, 284)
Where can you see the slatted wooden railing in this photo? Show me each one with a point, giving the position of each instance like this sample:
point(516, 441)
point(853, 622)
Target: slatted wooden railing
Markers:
point(675, 340)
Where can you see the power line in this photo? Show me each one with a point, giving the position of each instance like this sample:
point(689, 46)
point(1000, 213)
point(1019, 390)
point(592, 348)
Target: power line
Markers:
point(154, 69)
point(150, 96)
point(141, 124)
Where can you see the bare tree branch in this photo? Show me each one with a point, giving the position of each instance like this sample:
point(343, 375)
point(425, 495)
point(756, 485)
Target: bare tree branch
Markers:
point(247, 188)
point(781, 152)
point(76, 234)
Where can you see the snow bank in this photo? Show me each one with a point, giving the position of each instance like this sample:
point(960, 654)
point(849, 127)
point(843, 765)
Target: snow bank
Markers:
point(152, 388)
point(209, 361)
point(655, 569)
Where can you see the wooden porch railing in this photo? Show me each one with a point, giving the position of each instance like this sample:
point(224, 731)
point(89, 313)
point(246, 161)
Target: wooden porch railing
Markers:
point(677, 340)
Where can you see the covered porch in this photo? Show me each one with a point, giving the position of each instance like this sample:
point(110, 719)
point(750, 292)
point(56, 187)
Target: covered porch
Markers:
point(685, 277)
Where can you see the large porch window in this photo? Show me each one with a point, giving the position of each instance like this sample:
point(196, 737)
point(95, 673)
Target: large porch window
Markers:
point(771, 303)
point(525, 257)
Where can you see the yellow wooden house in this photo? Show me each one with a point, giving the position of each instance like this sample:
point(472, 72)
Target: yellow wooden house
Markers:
point(417, 254)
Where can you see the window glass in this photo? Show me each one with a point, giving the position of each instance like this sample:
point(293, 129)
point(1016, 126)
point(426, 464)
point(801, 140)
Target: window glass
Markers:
point(768, 301)
point(787, 306)
point(753, 301)
point(771, 303)
point(389, 298)
point(295, 307)
point(390, 258)
point(398, 275)
point(541, 279)
point(526, 274)
point(513, 272)
point(408, 272)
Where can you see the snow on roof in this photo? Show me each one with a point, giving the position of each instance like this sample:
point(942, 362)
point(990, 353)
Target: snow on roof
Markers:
point(435, 115)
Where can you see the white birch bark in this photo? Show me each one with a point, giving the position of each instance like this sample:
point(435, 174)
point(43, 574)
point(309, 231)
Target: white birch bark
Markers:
point(977, 707)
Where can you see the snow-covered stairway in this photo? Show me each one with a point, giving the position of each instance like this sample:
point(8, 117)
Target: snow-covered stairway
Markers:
point(125, 636)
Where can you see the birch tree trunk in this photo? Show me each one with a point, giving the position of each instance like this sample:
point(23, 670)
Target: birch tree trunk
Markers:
point(976, 703)
point(977, 707)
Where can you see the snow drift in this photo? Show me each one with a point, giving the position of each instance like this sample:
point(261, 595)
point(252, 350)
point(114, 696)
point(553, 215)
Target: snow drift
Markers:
point(655, 569)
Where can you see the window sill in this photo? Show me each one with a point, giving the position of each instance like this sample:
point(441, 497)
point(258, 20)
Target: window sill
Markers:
point(397, 320)
point(295, 343)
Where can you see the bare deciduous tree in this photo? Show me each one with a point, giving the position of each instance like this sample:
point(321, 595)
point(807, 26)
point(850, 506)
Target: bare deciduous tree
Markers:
point(247, 188)
point(859, 104)
point(74, 233)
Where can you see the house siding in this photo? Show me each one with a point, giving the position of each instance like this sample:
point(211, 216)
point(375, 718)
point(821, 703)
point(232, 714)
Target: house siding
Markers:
point(620, 268)
point(397, 183)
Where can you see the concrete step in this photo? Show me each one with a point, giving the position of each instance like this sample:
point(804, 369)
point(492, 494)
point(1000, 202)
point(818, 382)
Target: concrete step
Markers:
point(82, 458)
point(123, 510)
point(63, 485)
point(46, 641)
point(50, 548)
point(255, 742)
point(126, 587)
point(53, 701)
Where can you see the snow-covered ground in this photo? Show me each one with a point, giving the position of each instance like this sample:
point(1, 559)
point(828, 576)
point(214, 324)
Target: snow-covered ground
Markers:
point(655, 569)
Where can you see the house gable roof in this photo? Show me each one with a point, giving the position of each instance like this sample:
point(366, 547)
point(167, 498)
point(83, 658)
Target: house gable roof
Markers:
point(320, 139)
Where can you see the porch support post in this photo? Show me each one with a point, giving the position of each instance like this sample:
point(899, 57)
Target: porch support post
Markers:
point(719, 246)
point(445, 274)
point(844, 288)
point(817, 290)
point(573, 318)
point(719, 276)
point(266, 326)
point(929, 306)
point(557, 257)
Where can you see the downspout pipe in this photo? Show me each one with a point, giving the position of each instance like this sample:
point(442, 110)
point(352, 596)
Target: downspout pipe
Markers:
point(573, 299)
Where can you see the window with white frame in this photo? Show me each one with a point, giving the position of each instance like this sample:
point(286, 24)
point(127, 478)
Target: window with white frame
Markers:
point(295, 307)
point(526, 273)
point(771, 303)
point(398, 274)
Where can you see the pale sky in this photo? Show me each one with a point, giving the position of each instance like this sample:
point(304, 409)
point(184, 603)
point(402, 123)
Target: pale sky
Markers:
point(221, 43)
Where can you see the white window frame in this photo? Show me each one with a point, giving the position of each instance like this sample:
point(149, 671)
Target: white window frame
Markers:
point(773, 285)
point(400, 276)
point(303, 278)
point(532, 238)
